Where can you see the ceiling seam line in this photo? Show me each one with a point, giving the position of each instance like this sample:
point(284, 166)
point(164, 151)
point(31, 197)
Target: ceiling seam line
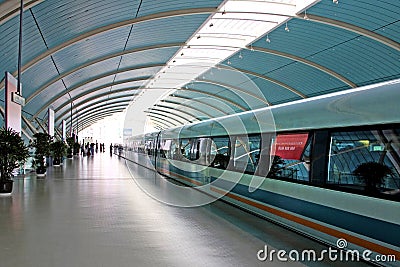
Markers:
point(51, 56)
point(126, 44)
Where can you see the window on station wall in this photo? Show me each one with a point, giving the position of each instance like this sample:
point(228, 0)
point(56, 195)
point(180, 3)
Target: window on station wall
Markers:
point(366, 160)
point(246, 153)
point(220, 152)
point(290, 157)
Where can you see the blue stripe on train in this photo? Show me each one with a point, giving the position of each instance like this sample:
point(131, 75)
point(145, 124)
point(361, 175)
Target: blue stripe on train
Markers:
point(373, 228)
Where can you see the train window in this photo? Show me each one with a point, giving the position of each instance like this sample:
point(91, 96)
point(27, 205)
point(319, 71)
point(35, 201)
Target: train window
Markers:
point(174, 150)
point(366, 161)
point(290, 157)
point(164, 147)
point(195, 153)
point(185, 148)
point(220, 152)
point(246, 153)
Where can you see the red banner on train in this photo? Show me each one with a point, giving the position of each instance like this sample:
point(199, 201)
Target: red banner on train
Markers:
point(290, 146)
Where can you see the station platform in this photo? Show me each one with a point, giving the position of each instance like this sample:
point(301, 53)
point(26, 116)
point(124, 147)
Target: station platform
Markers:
point(91, 212)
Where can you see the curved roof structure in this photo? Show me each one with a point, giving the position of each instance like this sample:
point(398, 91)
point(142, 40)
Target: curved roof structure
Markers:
point(199, 59)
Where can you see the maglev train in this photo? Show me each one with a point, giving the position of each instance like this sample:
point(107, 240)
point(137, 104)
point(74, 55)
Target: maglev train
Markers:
point(327, 167)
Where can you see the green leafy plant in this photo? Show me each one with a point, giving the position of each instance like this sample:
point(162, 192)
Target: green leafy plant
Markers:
point(41, 143)
point(373, 174)
point(77, 147)
point(58, 149)
point(13, 152)
point(70, 142)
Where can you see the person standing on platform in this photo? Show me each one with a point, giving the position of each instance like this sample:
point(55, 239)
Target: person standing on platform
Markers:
point(97, 146)
point(111, 148)
point(92, 149)
point(88, 149)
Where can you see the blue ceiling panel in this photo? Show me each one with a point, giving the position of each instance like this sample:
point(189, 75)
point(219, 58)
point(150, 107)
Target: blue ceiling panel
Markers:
point(257, 62)
point(362, 60)
point(228, 76)
point(200, 107)
point(168, 30)
point(220, 93)
point(9, 47)
point(368, 14)
point(148, 7)
point(92, 85)
point(30, 38)
point(99, 95)
point(93, 48)
point(95, 94)
point(148, 57)
point(63, 20)
point(226, 106)
point(93, 107)
point(45, 96)
point(140, 72)
point(305, 38)
point(34, 78)
point(92, 72)
point(274, 93)
point(307, 80)
point(128, 85)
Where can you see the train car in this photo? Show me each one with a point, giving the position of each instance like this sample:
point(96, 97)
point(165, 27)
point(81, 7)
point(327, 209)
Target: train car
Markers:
point(327, 167)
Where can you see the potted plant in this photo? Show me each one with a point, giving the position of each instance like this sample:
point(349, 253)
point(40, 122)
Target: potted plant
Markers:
point(41, 143)
point(373, 174)
point(13, 152)
point(58, 151)
point(77, 146)
point(70, 142)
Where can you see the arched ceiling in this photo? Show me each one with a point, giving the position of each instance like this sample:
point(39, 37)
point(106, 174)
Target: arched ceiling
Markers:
point(98, 57)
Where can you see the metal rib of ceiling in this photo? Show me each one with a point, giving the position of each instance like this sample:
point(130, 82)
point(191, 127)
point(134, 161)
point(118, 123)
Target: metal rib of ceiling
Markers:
point(99, 54)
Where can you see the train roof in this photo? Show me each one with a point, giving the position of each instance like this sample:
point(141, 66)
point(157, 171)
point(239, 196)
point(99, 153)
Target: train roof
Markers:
point(367, 105)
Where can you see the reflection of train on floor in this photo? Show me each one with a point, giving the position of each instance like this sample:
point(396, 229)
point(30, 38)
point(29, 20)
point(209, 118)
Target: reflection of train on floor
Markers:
point(315, 169)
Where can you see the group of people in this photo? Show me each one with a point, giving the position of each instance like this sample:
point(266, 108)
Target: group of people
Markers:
point(90, 148)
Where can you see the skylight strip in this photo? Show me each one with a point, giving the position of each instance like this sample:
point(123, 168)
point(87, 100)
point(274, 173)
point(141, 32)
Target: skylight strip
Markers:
point(234, 26)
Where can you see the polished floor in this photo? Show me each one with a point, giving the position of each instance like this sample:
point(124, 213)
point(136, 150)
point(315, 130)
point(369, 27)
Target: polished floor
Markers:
point(91, 212)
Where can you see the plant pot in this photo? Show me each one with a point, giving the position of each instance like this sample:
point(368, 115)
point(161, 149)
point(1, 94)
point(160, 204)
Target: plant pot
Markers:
point(56, 162)
point(40, 172)
point(6, 186)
